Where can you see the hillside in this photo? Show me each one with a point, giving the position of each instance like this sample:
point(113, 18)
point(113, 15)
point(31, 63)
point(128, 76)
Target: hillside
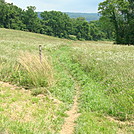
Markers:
point(75, 86)
point(88, 16)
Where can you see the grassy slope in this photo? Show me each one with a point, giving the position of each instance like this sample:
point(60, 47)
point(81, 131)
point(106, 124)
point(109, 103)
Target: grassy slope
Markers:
point(95, 104)
point(111, 68)
point(48, 112)
point(22, 113)
point(95, 101)
point(106, 87)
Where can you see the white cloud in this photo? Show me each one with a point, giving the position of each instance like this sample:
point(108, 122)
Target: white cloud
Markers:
point(8, 1)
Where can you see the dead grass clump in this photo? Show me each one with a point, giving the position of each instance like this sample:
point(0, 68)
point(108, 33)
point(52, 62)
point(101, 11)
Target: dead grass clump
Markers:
point(38, 72)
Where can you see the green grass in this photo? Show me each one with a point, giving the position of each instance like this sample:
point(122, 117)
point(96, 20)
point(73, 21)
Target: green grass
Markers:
point(93, 99)
point(103, 71)
point(47, 113)
point(111, 68)
point(22, 113)
point(95, 123)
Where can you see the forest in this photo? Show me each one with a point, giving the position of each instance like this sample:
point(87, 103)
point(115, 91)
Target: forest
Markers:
point(116, 22)
point(88, 16)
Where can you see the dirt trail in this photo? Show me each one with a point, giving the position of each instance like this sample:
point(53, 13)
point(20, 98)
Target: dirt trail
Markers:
point(6, 84)
point(13, 87)
point(69, 124)
point(130, 123)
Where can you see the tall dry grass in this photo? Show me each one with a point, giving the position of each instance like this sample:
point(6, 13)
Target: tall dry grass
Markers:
point(28, 71)
point(40, 73)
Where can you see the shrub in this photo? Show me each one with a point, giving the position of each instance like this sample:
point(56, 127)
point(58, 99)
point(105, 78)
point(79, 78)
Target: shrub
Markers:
point(37, 91)
point(72, 37)
point(81, 39)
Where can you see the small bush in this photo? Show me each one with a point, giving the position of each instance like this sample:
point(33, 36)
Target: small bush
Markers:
point(81, 39)
point(72, 37)
point(38, 91)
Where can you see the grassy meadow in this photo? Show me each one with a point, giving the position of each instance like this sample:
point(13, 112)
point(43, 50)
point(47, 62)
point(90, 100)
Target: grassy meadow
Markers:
point(37, 94)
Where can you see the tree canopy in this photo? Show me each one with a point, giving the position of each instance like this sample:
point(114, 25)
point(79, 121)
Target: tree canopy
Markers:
point(116, 22)
point(121, 15)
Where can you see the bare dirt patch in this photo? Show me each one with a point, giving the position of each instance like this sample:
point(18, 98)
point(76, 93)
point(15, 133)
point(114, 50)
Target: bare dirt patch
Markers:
point(69, 124)
point(6, 84)
point(131, 123)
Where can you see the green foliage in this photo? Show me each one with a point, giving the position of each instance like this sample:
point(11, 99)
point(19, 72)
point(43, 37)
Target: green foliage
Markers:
point(11, 16)
point(94, 123)
point(31, 20)
point(20, 111)
point(88, 16)
point(107, 81)
point(27, 113)
point(52, 23)
point(121, 15)
point(82, 29)
point(37, 91)
point(96, 31)
point(103, 72)
point(2, 1)
point(56, 23)
point(72, 37)
point(116, 22)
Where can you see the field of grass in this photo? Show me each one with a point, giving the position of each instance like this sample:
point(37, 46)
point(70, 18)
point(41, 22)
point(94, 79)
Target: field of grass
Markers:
point(103, 71)
point(111, 68)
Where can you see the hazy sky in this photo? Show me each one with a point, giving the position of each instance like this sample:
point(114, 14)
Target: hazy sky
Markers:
point(85, 6)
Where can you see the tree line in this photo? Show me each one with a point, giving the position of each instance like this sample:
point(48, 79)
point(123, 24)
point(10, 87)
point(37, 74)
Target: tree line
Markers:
point(53, 23)
point(116, 22)
point(120, 15)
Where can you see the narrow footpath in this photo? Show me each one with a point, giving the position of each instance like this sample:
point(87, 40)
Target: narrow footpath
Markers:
point(69, 124)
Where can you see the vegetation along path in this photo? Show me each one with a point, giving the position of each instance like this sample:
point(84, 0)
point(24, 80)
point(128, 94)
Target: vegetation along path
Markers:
point(63, 61)
point(81, 87)
point(93, 102)
point(69, 124)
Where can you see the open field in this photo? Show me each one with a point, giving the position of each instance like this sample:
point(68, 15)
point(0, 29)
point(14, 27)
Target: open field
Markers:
point(34, 95)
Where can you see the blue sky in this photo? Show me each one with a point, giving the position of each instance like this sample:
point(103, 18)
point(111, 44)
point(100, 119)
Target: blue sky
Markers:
point(85, 6)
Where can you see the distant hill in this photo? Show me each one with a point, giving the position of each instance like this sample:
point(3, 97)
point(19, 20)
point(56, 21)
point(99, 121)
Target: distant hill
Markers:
point(88, 16)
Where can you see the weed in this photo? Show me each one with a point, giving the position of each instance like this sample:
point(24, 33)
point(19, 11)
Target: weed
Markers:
point(37, 91)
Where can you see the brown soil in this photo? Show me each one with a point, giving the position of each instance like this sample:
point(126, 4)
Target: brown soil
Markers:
point(6, 84)
point(120, 122)
point(69, 124)
point(13, 87)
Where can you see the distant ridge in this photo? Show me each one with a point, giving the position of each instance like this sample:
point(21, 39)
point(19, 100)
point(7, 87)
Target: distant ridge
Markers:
point(88, 16)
